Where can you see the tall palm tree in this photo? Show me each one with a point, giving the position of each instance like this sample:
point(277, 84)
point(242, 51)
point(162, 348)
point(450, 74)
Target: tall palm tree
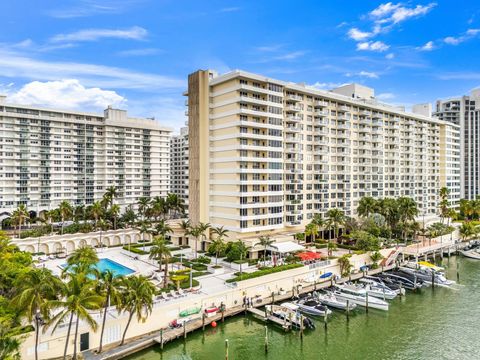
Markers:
point(78, 300)
point(203, 228)
point(265, 241)
point(108, 285)
point(82, 260)
point(218, 243)
point(186, 227)
point(96, 211)
point(311, 231)
point(114, 212)
point(79, 213)
point(143, 206)
point(9, 343)
point(143, 228)
point(110, 195)
point(243, 250)
point(335, 218)
point(19, 217)
point(366, 206)
point(160, 251)
point(196, 232)
point(159, 207)
point(444, 204)
point(66, 211)
point(162, 228)
point(137, 299)
point(37, 288)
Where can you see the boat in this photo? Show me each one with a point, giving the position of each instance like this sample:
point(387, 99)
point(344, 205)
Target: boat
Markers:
point(293, 317)
point(212, 310)
point(407, 281)
point(330, 300)
point(327, 275)
point(432, 266)
point(378, 290)
point(428, 275)
point(394, 286)
point(358, 295)
point(313, 307)
point(471, 254)
point(290, 306)
point(191, 311)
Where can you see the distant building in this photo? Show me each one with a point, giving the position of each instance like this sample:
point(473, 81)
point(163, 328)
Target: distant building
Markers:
point(51, 155)
point(179, 164)
point(465, 112)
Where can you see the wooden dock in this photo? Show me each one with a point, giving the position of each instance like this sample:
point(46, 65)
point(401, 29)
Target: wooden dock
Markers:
point(285, 324)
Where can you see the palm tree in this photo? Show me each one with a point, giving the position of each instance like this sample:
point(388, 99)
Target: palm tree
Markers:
point(159, 207)
point(144, 228)
point(143, 206)
point(78, 300)
point(331, 246)
point(320, 223)
point(19, 217)
point(265, 241)
point(9, 343)
point(159, 251)
point(197, 232)
point(185, 225)
point(82, 260)
point(79, 213)
point(162, 228)
point(311, 231)
point(204, 227)
point(110, 195)
point(37, 288)
point(108, 285)
point(444, 192)
point(129, 217)
point(466, 230)
point(96, 211)
point(114, 212)
point(243, 250)
point(137, 298)
point(66, 211)
point(218, 243)
point(366, 206)
point(335, 218)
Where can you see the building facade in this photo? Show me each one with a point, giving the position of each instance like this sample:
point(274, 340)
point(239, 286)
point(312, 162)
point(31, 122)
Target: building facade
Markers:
point(179, 164)
point(465, 112)
point(47, 156)
point(266, 155)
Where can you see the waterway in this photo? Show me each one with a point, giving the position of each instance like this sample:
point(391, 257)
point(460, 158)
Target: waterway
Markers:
point(431, 324)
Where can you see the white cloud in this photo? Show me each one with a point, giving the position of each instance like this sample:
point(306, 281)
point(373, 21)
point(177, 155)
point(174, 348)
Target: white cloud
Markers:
point(325, 86)
point(133, 33)
point(15, 65)
point(368, 74)
point(85, 8)
point(139, 52)
point(373, 46)
point(358, 35)
point(469, 34)
point(385, 96)
point(269, 48)
point(384, 9)
point(65, 94)
point(429, 46)
point(290, 56)
point(390, 56)
point(230, 9)
point(396, 13)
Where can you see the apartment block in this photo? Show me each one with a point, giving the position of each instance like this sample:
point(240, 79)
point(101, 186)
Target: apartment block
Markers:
point(266, 155)
point(179, 164)
point(465, 113)
point(51, 155)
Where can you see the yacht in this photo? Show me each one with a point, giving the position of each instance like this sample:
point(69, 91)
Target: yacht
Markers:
point(313, 307)
point(329, 299)
point(472, 254)
point(427, 274)
point(378, 290)
point(407, 281)
point(285, 313)
point(358, 295)
point(385, 282)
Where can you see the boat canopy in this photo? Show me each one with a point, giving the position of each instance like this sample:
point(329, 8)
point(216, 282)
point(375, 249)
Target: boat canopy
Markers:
point(285, 247)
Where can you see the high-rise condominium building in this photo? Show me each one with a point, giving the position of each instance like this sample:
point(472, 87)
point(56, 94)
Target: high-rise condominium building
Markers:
point(47, 156)
point(465, 112)
point(266, 155)
point(179, 164)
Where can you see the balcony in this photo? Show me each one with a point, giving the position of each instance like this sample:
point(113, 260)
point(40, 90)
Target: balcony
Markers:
point(293, 118)
point(320, 103)
point(293, 108)
point(294, 97)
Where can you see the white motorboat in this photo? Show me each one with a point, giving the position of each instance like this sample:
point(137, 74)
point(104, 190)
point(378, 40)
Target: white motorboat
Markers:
point(313, 307)
point(471, 254)
point(378, 290)
point(285, 313)
point(358, 295)
point(427, 274)
point(330, 300)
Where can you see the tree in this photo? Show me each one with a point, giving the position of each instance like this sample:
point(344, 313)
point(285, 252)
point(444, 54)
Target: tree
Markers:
point(311, 231)
point(108, 286)
point(143, 228)
point(243, 250)
point(96, 211)
point(129, 217)
point(265, 241)
point(197, 232)
point(143, 206)
point(9, 342)
point(366, 206)
point(376, 257)
point(79, 298)
point(82, 260)
point(345, 265)
point(319, 222)
point(331, 247)
point(186, 227)
point(159, 207)
point(218, 244)
point(335, 218)
point(137, 299)
point(162, 228)
point(19, 217)
point(36, 288)
point(110, 195)
point(466, 230)
point(444, 204)
point(66, 211)
point(114, 212)
point(159, 251)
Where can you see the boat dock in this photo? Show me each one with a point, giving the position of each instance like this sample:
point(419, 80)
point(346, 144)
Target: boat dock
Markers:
point(285, 324)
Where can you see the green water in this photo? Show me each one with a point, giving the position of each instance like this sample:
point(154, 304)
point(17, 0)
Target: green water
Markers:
point(438, 324)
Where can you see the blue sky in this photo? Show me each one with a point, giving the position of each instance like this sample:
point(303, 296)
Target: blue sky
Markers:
point(136, 54)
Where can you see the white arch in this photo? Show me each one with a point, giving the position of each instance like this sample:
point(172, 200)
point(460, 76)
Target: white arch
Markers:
point(44, 248)
point(116, 240)
point(70, 246)
point(106, 241)
point(57, 247)
point(30, 249)
point(94, 242)
point(82, 243)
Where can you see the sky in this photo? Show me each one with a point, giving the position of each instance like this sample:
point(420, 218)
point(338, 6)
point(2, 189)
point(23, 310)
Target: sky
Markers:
point(137, 54)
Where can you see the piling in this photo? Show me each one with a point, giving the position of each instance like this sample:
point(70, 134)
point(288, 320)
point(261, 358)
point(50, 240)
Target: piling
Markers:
point(301, 327)
point(184, 330)
point(433, 279)
point(226, 349)
point(203, 321)
point(401, 290)
point(273, 297)
point(458, 274)
point(223, 312)
point(383, 293)
point(331, 281)
point(348, 310)
point(161, 339)
point(325, 320)
point(366, 302)
point(266, 339)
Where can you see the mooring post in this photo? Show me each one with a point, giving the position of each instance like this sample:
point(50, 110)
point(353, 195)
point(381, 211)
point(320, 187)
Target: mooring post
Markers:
point(348, 310)
point(433, 279)
point(331, 281)
point(161, 339)
point(400, 284)
point(203, 321)
point(273, 297)
point(184, 330)
point(366, 302)
point(226, 349)
point(325, 320)
point(458, 274)
point(301, 327)
point(266, 339)
point(223, 312)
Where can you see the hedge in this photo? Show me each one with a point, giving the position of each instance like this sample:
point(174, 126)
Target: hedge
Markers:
point(135, 250)
point(268, 271)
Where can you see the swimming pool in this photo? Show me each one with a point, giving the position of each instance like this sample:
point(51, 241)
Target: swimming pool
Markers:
point(108, 264)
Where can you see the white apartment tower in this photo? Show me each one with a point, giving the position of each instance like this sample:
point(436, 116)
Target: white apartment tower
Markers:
point(51, 155)
point(179, 164)
point(465, 113)
point(266, 155)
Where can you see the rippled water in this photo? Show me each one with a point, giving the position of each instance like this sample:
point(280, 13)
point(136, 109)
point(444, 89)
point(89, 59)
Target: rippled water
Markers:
point(438, 324)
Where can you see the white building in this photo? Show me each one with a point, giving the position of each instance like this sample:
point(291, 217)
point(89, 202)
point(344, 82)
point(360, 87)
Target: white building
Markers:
point(179, 164)
point(465, 112)
point(51, 155)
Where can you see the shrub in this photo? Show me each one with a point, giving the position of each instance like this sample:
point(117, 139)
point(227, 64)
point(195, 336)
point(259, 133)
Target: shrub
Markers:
point(268, 271)
point(200, 273)
point(199, 267)
point(135, 250)
point(203, 260)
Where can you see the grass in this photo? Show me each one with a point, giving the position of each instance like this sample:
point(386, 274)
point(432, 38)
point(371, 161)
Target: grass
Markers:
point(263, 272)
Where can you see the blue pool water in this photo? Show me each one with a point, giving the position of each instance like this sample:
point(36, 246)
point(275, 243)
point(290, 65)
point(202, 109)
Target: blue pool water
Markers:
point(107, 264)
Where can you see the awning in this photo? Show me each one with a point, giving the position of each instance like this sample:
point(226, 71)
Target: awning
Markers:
point(309, 255)
point(285, 247)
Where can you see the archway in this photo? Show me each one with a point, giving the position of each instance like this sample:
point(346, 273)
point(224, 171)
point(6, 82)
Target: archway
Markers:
point(128, 239)
point(43, 248)
point(57, 247)
point(30, 249)
point(137, 237)
point(94, 242)
point(116, 240)
point(82, 243)
point(70, 246)
point(106, 241)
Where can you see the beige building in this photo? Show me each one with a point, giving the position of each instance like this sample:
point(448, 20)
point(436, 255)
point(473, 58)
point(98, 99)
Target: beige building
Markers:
point(266, 155)
point(51, 155)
